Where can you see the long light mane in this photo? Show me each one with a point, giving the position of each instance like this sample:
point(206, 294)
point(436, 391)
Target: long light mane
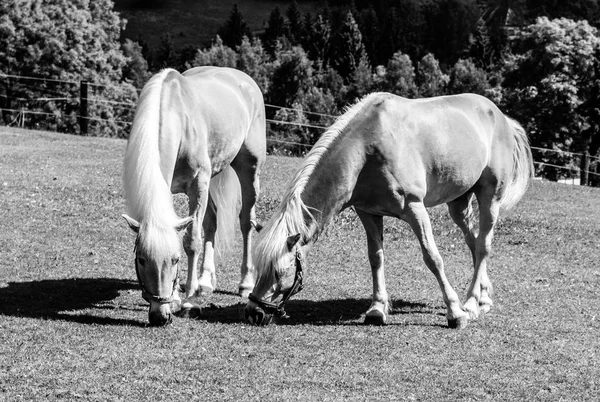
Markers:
point(147, 194)
point(290, 217)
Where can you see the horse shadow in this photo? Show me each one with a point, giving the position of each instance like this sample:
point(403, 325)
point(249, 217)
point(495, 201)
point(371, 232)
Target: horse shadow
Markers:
point(79, 299)
point(349, 311)
point(67, 300)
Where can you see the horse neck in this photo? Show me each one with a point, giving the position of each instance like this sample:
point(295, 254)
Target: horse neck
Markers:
point(329, 188)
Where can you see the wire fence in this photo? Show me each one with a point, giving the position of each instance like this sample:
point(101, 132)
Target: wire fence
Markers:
point(57, 112)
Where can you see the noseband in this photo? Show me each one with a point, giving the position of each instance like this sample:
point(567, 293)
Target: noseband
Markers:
point(277, 309)
point(150, 297)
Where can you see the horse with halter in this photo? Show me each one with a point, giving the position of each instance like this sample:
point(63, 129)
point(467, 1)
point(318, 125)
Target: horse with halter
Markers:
point(391, 156)
point(193, 133)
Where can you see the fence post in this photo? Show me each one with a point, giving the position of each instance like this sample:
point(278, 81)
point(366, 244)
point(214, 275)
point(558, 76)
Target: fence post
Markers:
point(584, 169)
point(83, 108)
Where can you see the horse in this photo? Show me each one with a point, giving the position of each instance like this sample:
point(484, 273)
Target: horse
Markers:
point(192, 133)
point(392, 156)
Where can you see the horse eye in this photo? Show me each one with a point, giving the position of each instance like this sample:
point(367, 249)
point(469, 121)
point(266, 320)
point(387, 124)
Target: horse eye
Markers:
point(141, 261)
point(175, 261)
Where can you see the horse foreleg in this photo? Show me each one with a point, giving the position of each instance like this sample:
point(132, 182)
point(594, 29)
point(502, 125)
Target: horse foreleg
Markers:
point(418, 218)
point(192, 243)
point(379, 309)
point(480, 290)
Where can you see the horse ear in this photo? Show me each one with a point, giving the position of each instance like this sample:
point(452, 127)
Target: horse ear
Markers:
point(292, 241)
point(133, 224)
point(184, 223)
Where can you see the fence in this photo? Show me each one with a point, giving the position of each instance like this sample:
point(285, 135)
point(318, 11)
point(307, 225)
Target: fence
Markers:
point(81, 111)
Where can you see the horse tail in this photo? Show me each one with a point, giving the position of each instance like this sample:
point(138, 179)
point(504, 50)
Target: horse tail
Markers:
point(225, 192)
point(522, 167)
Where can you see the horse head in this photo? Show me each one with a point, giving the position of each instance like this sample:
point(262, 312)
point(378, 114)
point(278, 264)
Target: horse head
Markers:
point(278, 280)
point(157, 253)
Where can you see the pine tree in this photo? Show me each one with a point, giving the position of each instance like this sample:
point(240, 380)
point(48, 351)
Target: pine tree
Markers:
point(234, 29)
point(348, 48)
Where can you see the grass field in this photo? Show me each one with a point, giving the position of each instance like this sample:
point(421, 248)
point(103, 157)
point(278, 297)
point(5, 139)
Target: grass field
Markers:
point(73, 324)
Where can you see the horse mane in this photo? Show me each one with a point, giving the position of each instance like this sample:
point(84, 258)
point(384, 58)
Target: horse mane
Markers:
point(147, 194)
point(290, 218)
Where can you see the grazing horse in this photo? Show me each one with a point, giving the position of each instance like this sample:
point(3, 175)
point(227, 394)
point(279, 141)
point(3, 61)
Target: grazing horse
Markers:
point(190, 133)
point(391, 156)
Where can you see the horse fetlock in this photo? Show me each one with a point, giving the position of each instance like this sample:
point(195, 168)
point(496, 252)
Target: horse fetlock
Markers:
point(207, 283)
point(472, 308)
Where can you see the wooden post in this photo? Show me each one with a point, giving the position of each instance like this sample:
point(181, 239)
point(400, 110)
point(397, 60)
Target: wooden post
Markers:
point(584, 169)
point(83, 108)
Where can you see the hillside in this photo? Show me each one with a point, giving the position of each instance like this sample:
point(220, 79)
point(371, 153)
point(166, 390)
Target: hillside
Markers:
point(195, 22)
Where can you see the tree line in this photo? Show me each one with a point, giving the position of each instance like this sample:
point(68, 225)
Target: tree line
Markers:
point(538, 60)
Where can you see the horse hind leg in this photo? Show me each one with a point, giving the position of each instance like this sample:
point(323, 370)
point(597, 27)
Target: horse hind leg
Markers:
point(207, 281)
point(248, 174)
point(417, 217)
point(480, 291)
point(379, 309)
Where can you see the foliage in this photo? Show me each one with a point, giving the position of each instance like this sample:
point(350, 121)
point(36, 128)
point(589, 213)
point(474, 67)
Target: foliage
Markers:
point(548, 82)
point(254, 61)
point(235, 28)
point(218, 54)
point(347, 48)
point(465, 76)
point(397, 77)
point(67, 41)
point(431, 81)
point(136, 67)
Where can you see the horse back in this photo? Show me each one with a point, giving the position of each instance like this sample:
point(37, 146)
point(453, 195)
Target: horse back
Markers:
point(210, 113)
point(432, 149)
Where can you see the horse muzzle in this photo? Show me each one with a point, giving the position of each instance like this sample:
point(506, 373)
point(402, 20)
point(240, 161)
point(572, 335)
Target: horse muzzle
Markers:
point(160, 315)
point(255, 315)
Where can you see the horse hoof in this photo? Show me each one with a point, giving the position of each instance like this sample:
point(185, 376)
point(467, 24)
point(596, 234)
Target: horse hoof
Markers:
point(375, 317)
point(458, 323)
point(190, 312)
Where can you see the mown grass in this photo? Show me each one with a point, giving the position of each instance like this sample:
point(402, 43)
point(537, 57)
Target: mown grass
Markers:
point(73, 324)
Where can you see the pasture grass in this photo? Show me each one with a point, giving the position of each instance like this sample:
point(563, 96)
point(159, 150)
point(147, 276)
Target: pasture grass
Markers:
point(73, 324)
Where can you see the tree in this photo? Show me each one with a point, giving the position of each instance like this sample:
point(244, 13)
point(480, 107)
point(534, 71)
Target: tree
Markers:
point(430, 78)
point(466, 77)
point(136, 68)
point(318, 43)
point(552, 84)
point(218, 55)
point(61, 42)
point(293, 73)
point(348, 48)
point(397, 77)
point(294, 23)
point(254, 61)
point(235, 28)
point(449, 26)
point(275, 30)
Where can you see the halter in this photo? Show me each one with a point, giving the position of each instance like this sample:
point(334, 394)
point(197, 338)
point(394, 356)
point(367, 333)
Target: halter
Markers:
point(277, 309)
point(150, 297)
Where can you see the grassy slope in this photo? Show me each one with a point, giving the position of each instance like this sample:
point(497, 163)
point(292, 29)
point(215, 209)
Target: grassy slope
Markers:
point(72, 323)
point(196, 22)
